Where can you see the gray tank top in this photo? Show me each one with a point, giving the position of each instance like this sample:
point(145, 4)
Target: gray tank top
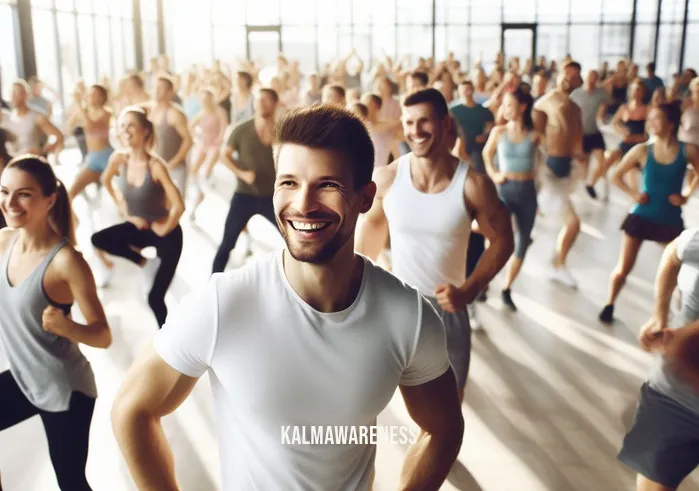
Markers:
point(146, 201)
point(46, 367)
point(167, 139)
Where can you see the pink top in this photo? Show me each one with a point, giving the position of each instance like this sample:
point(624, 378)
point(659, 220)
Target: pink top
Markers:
point(210, 129)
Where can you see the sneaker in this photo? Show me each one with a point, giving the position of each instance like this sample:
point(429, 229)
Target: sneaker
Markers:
point(591, 191)
point(507, 300)
point(473, 318)
point(562, 275)
point(150, 269)
point(103, 275)
point(607, 314)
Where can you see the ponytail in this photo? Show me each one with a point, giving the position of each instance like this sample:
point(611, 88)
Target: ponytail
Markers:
point(61, 215)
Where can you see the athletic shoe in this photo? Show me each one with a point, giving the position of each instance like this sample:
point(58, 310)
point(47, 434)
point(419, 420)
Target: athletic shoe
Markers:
point(591, 191)
point(562, 275)
point(607, 314)
point(507, 300)
point(473, 318)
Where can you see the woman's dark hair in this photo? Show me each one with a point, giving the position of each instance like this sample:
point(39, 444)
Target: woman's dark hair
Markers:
point(141, 116)
point(528, 102)
point(61, 214)
point(673, 115)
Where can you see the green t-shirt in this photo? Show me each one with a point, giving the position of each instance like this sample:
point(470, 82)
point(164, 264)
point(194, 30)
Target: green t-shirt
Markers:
point(255, 156)
point(472, 122)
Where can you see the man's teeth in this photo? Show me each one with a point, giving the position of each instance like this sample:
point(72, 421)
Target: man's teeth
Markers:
point(308, 226)
point(15, 214)
point(420, 140)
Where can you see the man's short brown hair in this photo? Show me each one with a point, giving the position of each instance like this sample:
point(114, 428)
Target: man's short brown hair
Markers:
point(335, 129)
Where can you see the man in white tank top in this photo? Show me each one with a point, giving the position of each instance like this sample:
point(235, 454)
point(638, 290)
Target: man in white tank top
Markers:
point(28, 129)
point(426, 201)
point(302, 343)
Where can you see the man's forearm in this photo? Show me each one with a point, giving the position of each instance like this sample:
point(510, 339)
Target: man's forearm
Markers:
point(231, 164)
point(428, 461)
point(665, 284)
point(491, 262)
point(146, 451)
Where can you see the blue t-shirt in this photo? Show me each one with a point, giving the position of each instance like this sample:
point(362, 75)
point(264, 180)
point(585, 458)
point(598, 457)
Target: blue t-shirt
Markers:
point(472, 122)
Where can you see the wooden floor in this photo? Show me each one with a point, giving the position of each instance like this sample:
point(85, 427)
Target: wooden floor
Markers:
point(550, 393)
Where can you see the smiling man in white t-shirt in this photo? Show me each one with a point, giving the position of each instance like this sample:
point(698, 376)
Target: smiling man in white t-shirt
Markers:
point(310, 336)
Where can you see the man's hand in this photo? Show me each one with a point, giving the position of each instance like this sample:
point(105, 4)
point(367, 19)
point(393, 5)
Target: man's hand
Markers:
point(247, 176)
point(651, 335)
point(454, 299)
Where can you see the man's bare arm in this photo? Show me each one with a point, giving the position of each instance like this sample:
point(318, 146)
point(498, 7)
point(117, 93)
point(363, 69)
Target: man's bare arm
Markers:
point(495, 224)
point(435, 408)
point(151, 389)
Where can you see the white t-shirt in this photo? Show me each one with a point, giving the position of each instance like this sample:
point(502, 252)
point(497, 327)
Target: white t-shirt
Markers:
point(275, 362)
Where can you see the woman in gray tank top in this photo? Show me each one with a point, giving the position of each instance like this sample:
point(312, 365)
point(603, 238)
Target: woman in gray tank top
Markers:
point(151, 204)
point(42, 276)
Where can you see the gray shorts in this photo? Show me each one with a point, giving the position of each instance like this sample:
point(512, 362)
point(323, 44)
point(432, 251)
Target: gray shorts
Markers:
point(458, 330)
point(663, 442)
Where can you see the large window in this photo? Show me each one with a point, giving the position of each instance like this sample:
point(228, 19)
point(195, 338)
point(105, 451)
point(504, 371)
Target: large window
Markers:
point(8, 54)
point(90, 40)
point(586, 53)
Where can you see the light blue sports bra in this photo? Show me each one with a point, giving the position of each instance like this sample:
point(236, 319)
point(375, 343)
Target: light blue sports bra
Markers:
point(515, 157)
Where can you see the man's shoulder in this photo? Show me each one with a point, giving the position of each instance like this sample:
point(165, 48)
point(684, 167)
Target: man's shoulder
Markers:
point(391, 288)
point(252, 278)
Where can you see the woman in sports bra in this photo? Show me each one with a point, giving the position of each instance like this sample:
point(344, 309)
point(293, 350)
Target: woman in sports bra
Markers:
point(618, 89)
point(208, 128)
point(515, 143)
point(95, 119)
point(42, 277)
point(657, 213)
point(630, 122)
point(151, 204)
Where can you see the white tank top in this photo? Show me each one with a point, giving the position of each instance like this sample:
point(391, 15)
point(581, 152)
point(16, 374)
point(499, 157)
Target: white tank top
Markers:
point(429, 232)
point(25, 129)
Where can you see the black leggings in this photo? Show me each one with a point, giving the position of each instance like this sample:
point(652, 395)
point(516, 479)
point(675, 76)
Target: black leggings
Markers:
point(67, 432)
point(122, 240)
point(243, 208)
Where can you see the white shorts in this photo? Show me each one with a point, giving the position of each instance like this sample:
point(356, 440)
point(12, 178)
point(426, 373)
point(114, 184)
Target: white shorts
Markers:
point(554, 195)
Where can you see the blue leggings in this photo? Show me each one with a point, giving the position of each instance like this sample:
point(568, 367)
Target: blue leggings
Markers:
point(520, 198)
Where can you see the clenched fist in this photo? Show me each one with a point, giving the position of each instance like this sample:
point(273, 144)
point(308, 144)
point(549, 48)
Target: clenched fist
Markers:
point(55, 321)
point(453, 299)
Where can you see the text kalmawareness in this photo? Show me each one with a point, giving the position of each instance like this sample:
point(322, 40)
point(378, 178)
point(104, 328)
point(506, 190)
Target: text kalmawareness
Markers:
point(347, 435)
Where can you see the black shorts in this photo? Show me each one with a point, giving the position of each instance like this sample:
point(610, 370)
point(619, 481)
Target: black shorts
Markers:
point(593, 141)
point(641, 228)
point(663, 442)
